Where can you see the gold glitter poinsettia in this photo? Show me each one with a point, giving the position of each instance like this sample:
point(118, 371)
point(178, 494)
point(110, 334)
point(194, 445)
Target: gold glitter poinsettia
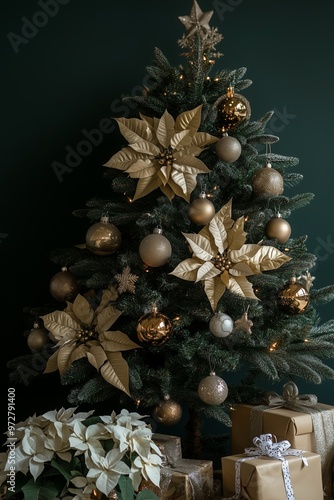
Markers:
point(83, 332)
point(222, 260)
point(162, 152)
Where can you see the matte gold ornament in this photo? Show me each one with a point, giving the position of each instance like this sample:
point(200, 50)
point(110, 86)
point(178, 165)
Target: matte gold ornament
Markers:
point(168, 411)
point(278, 228)
point(38, 338)
point(162, 152)
point(213, 390)
point(201, 210)
point(155, 250)
point(221, 325)
point(232, 108)
point(63, 286)
point(228, 148)
point(267, 182)
point(223, 260)
point(294, 298)
point(154, 328)
point(103, 238)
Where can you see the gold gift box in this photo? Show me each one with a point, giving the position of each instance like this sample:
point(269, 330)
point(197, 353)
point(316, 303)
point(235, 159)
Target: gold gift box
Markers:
point(262, 478)
point(188, 480)
point(294, 426)
point(170, 447)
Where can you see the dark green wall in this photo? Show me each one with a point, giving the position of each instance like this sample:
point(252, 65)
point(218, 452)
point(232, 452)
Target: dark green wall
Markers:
point(71, 74)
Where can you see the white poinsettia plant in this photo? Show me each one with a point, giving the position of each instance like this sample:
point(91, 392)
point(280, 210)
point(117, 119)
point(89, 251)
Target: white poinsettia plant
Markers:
point(77, 456)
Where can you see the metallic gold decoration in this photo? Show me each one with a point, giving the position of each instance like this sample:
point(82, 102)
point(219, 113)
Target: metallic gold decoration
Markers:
point(167, 412)
point(155, 250)
point(232, 108)
point(213, 390)
point(83, 332)
point(243, 324)
point(63, 286)
point(126, 281)
point(307, 280)
point(201, 210)
point(154, 328)
point(38, 338)
point(294, 298)
point(222, 259)
point(103, 238)
point(197, 20)
point(278, 228)
point(221, 325)
point(162, 152)
point(267, 182)
point(228, 148)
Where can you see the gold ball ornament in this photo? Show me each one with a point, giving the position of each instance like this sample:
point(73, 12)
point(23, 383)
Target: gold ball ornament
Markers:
point(232, 108)
point(103, 238)
point(267, 182)
point(221, 325)
point(168, 411)
point(154, 328)
point(228, 148)
point(201, 210)
point(38, 338)
point(294, 298)
point(155, 250)
point(63, 286)
point(278, 228)
point(213, 390)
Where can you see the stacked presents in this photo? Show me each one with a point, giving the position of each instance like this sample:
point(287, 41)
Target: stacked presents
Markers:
point(281, 450)
point(181, 479)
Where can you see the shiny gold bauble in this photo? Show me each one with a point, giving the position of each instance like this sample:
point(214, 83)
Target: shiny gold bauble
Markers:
point(201, 210)
point(278, 228)
point(294, 298)
point(232, 108)
point(63, 286)
point(38, 338)
point(228, 149)
point(103, 238)
point(154, 328)
point(213, 390)
point(267, 182)
point(167, 412)
point(98, 495)
point(155, 250)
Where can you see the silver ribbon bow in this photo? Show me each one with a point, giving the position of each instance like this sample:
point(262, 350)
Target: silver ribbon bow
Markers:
point(265, 447)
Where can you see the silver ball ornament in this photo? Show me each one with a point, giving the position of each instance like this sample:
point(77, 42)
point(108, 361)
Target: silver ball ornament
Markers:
point(212, 390)
point(221, 325)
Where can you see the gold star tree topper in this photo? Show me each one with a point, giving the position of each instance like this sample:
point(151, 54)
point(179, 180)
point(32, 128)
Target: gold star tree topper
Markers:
point(222, 259)
point(197, 20)
point(162, 152)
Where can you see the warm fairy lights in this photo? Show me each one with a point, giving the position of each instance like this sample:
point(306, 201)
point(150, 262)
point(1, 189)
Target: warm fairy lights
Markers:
point(273, 347)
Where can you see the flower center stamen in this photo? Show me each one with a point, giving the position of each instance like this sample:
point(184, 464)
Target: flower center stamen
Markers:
point(166, 157)
point(85, 335)
point(221, 262)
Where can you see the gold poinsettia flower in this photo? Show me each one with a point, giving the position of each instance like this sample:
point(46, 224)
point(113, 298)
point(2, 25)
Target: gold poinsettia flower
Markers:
point(83, 332)
point(162, 152)
point(222, 260)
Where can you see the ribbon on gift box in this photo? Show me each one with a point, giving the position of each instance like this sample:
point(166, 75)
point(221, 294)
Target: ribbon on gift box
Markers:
point(265, 447)
point(322, 420)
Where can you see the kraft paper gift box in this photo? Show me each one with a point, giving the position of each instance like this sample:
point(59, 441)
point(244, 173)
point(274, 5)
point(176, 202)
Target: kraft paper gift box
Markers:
point(187, 480)
point(170, 447)
point(295, 426)
point(261, 478)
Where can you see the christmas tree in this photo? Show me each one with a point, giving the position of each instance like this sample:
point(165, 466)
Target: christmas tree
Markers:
point(189, 289)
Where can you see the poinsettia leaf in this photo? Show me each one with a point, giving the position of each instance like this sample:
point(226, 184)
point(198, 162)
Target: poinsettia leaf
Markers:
point(218, 232)
point(40, 490)
point(141, 169)
point(146, 148)
point(108, 295)
point(83, 310)
point(187, 269)
point(146, 186)
point(241, 286)
point(225, 213)
point(106, 318)
point(59, 324)
point(124, 158)
point(207, 271)
point(165, 129)
point(64, 357)
point(241, 269)
point(200, 246)
point(116, 371)
point(214, 289)
point(117, 341)
point(202, 139)
point(126, 488)
point(190, 120)
point(134, 130)
point(186, 182)
point(195, 165)
point(96, 356)
point(180, 139)
point(52, 363)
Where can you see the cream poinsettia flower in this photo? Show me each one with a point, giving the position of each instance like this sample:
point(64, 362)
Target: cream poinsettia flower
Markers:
point(147, 468)
point(222, 259)
point(31, 452)
point(162, 152)
point(83, 332)
point(106, 469)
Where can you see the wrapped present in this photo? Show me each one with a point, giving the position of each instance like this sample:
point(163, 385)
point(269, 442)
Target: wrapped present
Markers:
point(187, 480)
point(170, 447)
point(274, 471)
point(300, 419)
